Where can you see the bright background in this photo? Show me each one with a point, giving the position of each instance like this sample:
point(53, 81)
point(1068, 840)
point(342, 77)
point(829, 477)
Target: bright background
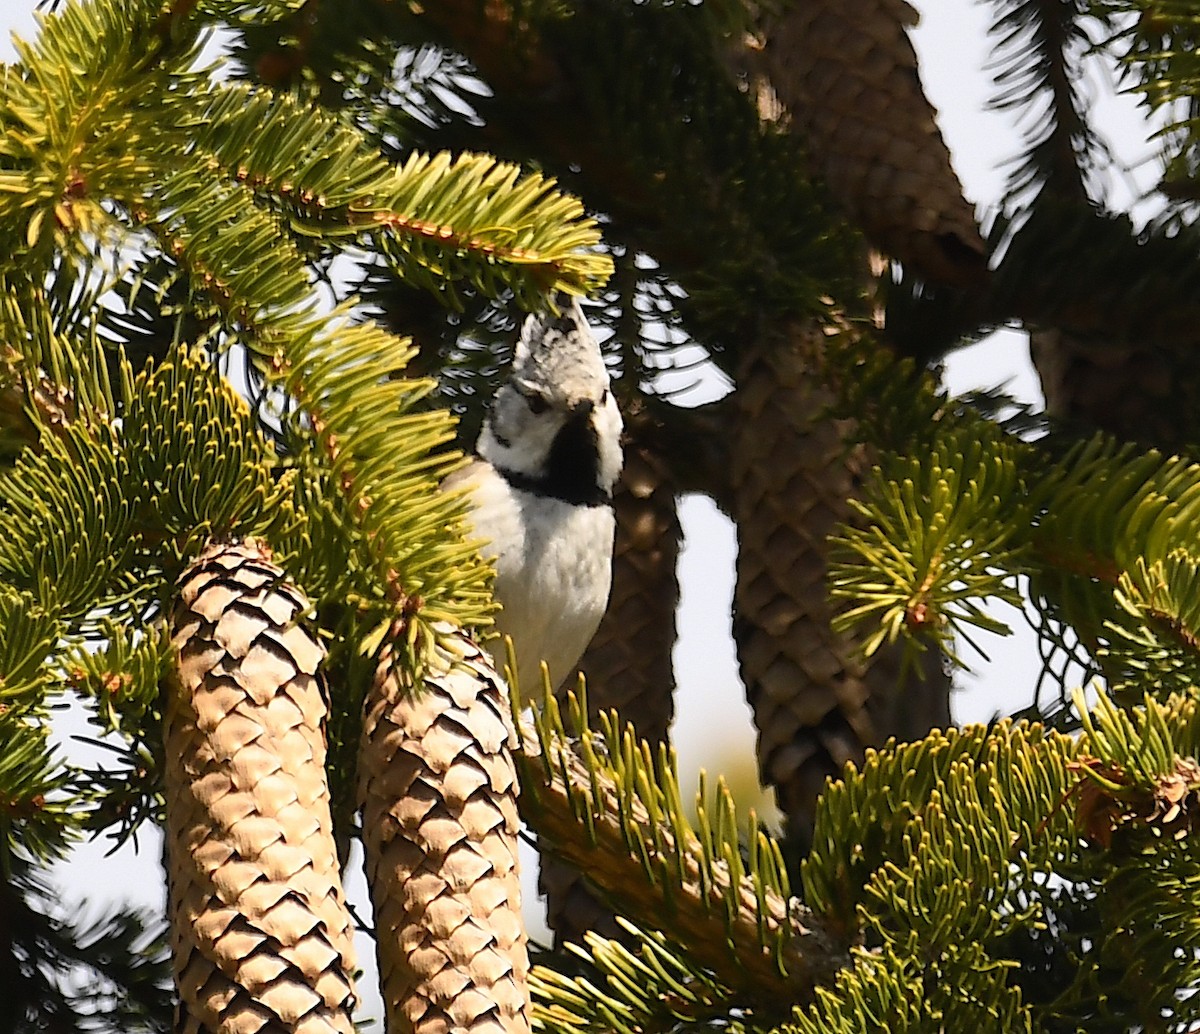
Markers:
point(713, 727)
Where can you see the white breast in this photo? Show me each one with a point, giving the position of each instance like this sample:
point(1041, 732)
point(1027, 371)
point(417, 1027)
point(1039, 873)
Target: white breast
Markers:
point(553, 573)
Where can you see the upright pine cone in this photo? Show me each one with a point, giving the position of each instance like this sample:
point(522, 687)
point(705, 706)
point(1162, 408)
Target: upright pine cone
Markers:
point(628, 665)
point(261, 936)
point(817, 703)
point(440, 826)
point(846, 72)
point(1142, 391)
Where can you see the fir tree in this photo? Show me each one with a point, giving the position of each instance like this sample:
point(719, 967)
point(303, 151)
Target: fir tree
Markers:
point(267, 601)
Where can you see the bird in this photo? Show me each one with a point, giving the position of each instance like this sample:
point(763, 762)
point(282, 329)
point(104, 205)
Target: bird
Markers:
point(540, 493)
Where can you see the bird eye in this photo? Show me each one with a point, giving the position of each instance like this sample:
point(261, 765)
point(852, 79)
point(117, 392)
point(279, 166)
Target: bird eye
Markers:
point(537, 403)
point(604, 397)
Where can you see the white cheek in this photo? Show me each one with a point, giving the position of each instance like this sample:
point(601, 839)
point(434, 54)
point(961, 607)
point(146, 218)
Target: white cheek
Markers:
point(534, 435)
point(608, 431)
point(520, 440)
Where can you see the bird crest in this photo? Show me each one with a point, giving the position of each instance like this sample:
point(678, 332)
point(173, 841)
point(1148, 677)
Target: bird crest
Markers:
point(557, 355)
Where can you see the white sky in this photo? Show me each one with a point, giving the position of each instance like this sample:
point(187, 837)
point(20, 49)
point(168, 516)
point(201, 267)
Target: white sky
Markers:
point(713, 720)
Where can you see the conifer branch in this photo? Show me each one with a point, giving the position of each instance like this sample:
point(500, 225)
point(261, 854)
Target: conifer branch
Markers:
point(439, 218)
point(1041, 44)
point(604, 805)
point(682, 116)
point(1099, 527)
point(953, 856)
point(1013, 848)
point(106, 973)
point(1155, 41)
point(650, 984)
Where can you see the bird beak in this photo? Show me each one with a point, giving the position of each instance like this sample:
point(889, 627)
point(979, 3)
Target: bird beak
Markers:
point(582, 407)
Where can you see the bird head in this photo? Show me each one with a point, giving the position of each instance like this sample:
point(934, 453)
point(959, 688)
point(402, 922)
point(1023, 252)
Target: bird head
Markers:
point(554, 421)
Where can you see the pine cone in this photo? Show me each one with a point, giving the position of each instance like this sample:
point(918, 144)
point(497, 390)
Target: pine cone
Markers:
point(1141, 391)
point(846, 72)
point(440, 830)
point(261, 935)
point(817, 703)
point(628, 664)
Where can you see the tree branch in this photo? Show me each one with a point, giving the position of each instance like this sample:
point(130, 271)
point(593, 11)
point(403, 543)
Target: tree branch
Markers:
point(649, 867)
